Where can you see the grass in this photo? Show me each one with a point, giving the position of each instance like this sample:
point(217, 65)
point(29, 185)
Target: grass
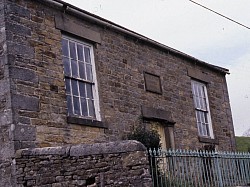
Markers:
point(243, 144)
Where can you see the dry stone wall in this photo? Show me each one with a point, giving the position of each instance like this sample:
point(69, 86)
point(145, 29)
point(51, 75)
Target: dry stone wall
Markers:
point(117, 164)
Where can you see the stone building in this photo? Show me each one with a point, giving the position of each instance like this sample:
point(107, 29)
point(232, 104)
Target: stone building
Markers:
point(71, 77)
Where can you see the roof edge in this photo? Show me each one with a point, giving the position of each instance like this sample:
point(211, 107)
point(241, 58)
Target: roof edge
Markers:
point(71, 9)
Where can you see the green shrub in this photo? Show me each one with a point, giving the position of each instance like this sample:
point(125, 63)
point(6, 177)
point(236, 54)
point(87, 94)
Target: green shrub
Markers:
point(151, 140)
point(148, 137)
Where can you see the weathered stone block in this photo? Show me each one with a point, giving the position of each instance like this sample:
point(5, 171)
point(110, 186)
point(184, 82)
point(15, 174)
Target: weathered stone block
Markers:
point(59, 151)
point(23, 74)
point(18, 29)
point(1, 71)
point(25, 102)
point(2, 102)
point(130, 159)
point(6, 147)
point(24, 133)
point(18, 10)
point(112, 147)
point(23, 144)
point(20, 49)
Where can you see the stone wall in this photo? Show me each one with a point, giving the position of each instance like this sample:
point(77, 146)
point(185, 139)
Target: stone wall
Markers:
point(6, 123)
point(38, 89)
point(97, 165)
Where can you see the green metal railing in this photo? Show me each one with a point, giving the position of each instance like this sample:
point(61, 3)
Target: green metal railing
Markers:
point(186, 168)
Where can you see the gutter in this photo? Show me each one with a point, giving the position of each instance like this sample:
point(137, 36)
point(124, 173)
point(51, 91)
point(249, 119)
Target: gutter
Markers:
point(71, 9)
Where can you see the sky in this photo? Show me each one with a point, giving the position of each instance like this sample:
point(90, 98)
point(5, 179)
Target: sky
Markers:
point(194, 30)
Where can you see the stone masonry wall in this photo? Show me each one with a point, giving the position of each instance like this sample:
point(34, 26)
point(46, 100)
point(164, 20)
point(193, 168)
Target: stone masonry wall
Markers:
point(109, 164)
point(37, 81)
point(6, 134)
point(38, 89)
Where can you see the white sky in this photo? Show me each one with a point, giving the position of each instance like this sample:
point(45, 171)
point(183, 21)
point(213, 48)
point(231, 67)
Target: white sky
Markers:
point(196, 31)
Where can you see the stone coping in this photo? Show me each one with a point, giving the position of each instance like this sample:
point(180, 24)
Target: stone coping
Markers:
point(84, 149)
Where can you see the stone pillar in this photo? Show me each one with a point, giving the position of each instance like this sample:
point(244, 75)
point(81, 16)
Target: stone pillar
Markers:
point(7, 167)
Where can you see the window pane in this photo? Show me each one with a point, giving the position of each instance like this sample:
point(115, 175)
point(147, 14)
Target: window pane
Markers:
point(204, 129)
point(198, 116)
point(87, 55)
point(82, 89)
point(198, 96)
point(74, 87)
point(203, 91)
point(205, 117)
point(202, 98)
point(84, 107)
point(80, 52)
point(69, 104)
point(204, 133)
point(195, 90)
point(76, 105)
point(89, 72)
point(196, 102)
point(72, 50)
point(67, 86)
point(202, 116)
point(89, 91)
point(65, 50)
point(82, 70)
point(91, 108)
point(66, 66)
point(202, 122)
point(207, 129)
point(204, 104)
point(200, 129)
point(74, 68)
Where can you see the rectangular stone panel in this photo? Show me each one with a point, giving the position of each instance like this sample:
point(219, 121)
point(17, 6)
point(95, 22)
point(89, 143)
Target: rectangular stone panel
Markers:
point(152, 83)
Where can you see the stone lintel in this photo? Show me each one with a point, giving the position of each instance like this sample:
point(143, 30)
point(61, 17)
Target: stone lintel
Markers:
point(199, 75)
point(73, 27)
point(154, 114)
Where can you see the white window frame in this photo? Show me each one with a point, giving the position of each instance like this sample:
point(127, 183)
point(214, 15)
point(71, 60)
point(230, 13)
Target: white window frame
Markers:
point(202, 109)
point(93, 82)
